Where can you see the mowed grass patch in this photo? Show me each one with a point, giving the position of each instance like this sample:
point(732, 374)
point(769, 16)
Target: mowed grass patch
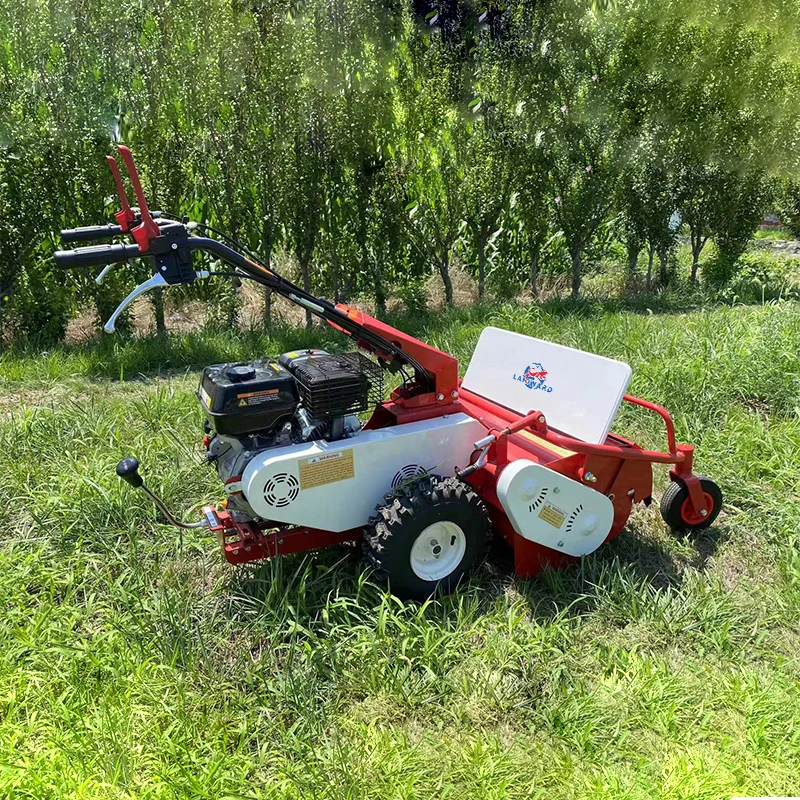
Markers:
point(134, 663)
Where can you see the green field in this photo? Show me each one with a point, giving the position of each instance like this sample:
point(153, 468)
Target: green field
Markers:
point(134, 664)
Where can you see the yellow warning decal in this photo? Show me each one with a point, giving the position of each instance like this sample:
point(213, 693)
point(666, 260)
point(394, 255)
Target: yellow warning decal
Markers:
point(552, 515)
point(257, 398)
point(553, 448)
point(328, 468)
point(262, 393)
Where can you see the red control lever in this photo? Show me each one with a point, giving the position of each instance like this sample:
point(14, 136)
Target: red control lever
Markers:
point(147, 229)
point(126, 217)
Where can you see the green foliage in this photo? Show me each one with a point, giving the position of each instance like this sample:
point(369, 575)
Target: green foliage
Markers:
point(757, 276)
point(790, 210)
point(376, 143)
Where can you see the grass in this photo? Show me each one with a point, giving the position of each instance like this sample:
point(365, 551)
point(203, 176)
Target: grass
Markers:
point(777, 233)
point(135, 664)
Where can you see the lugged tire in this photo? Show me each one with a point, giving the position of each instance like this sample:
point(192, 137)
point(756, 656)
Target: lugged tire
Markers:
point(406, 513)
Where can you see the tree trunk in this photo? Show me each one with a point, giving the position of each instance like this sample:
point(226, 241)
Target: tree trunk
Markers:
point(267, 307)
point(337, 298)
point(157, 299)
point(663, 267)
point(535, 272)
point(633, 259)
point(481, 244)
point(306, 273)
point(444, 270)
point(650, 255)
point(575, 253)
point(233, 299)
point(380, 294)
point(232, 318)
point(698, 243)
point(267, 239)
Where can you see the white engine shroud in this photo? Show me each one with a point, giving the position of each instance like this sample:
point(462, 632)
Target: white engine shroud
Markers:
point(335, 486)
point(552, 510)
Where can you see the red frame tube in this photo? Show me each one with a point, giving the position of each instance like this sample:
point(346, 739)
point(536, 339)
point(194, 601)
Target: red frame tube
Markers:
point(531, 420)
point(662, 412)
point(247, 541)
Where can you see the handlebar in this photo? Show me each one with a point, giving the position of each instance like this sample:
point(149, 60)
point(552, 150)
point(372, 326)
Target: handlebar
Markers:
point(91, 233)
point(96, 256)
point(170, 256)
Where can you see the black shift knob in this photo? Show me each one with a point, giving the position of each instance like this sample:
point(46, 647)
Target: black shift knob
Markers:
point(128, 470)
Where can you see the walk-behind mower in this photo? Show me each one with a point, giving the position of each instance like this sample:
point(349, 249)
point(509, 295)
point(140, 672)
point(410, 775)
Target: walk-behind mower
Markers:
point(521, 446)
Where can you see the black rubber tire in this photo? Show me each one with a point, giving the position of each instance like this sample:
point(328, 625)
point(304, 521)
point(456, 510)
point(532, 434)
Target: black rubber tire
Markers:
point(406, 513)
point(676, 495)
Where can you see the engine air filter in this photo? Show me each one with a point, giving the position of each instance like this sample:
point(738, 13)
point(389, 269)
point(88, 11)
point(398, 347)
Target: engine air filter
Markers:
point(334, 386)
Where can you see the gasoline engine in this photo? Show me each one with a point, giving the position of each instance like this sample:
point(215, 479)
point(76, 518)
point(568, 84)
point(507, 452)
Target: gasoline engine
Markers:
point(302, 396)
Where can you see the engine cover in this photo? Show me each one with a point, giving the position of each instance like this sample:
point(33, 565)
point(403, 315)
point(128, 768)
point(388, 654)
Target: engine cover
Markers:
point(247, 397)
point(552, 510)
point(335, 486)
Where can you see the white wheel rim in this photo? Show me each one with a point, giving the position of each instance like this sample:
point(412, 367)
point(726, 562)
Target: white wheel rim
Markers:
point(438, 550)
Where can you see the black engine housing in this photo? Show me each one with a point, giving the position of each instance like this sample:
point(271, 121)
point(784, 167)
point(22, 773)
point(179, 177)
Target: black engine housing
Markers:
point(247, 397)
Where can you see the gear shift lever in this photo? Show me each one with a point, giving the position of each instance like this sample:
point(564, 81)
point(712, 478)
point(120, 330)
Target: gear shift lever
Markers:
point(128, 470)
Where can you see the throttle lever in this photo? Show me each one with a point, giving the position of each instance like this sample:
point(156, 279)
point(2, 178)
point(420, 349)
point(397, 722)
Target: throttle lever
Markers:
point(153, 282)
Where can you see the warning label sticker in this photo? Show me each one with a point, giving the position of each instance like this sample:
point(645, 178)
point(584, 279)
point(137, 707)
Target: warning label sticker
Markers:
point(328, 468)
point(552, 515)
point(256, 398)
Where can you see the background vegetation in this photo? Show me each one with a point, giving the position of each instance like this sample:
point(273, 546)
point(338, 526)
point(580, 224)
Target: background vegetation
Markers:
point(377, 142)
point(372, 147)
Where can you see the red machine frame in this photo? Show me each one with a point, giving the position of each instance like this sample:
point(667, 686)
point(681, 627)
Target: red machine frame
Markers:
point(618, 468)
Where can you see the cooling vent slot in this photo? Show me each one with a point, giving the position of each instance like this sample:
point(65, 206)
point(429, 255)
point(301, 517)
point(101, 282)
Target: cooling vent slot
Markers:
point(281, 490)
point(406, 473)
point(572, 517)
point(534, 506)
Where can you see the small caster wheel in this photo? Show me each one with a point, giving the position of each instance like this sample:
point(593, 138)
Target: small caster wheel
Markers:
point(677, 509)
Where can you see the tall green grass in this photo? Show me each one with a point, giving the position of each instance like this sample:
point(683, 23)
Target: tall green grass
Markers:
point(135, 664)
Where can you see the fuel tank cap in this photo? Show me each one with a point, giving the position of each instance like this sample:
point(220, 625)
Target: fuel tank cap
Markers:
point(239, 374)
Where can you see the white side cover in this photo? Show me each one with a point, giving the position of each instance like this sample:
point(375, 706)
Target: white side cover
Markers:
point(335, 486)
point(579, 393)
point(553, 510)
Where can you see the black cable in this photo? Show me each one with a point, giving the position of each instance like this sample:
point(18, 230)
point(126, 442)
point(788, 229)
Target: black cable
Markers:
point(229, 239)
point(317, 305)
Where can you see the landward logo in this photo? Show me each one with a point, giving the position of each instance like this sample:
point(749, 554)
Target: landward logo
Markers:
point(534, 377)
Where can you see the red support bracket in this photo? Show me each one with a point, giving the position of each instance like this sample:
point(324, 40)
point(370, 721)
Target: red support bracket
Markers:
point(662, 412)
point(246, 541)
point(683, 473)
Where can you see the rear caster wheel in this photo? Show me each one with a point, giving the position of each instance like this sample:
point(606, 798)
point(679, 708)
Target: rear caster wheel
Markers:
point(678, 511)
point(426, 538)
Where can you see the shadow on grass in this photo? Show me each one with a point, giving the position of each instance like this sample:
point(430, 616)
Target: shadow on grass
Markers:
point(630, 565)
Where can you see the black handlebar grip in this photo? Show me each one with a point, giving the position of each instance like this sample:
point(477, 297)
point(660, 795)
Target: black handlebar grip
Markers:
point(97, 256)
point(90, 233)
point(128, 470)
